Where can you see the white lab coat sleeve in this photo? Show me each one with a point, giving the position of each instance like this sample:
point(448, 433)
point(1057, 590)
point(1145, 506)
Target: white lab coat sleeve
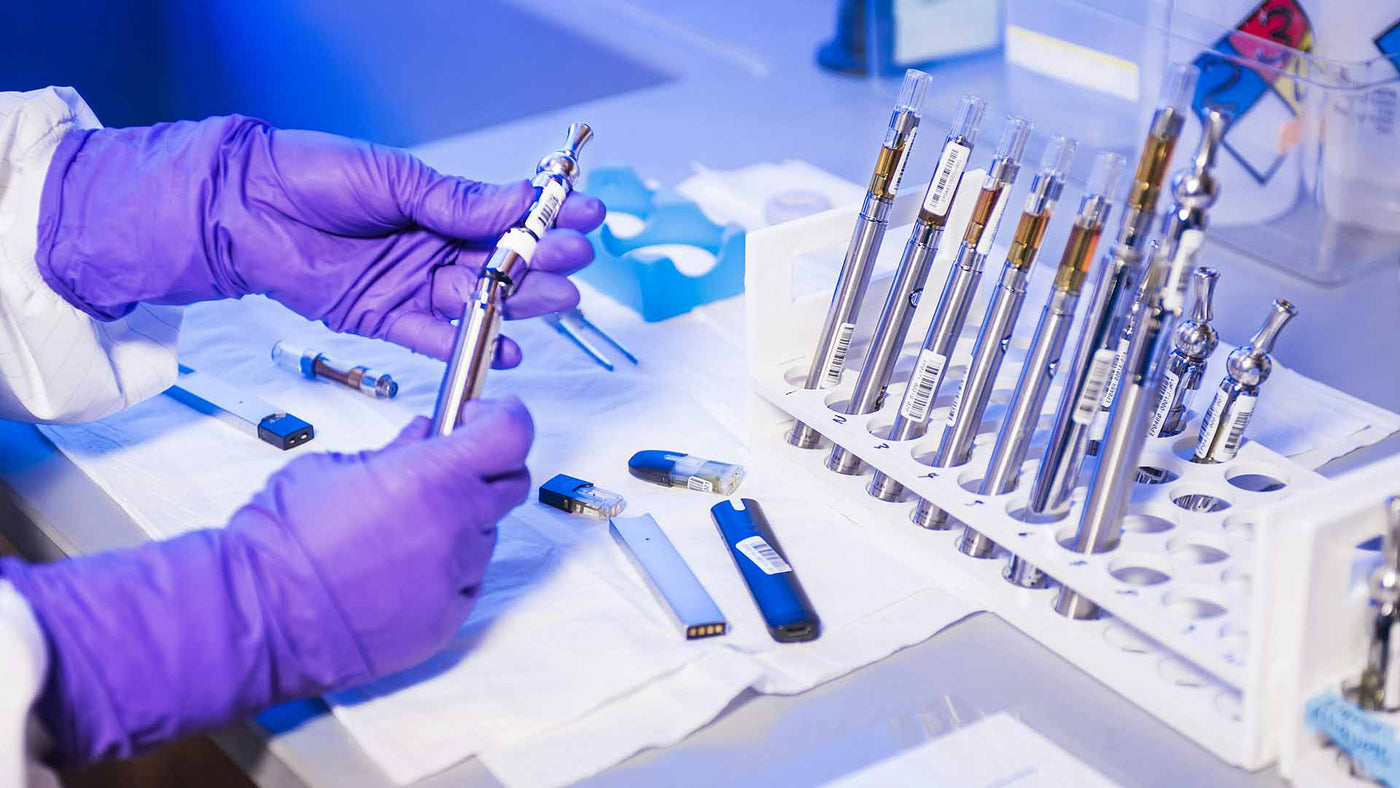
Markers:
point(23, 663)
point(57, 364)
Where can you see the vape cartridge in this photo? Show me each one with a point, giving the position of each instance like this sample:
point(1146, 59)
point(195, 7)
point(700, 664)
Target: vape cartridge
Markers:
point(673, 469)
point(1033, 386)
point(1183, 233)
point(240, 410)
point(995, 334)
point(909, 278)
point(577, 496)
point(1088, 373)
point(958, 291)
point(475, 345)
point(1192, 344)
point(834, 342)
point(1246, 368)
point(1379, 689)
point(313, 365)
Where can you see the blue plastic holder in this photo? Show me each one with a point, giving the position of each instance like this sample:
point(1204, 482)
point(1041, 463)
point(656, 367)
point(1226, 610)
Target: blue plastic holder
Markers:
point(656, 288)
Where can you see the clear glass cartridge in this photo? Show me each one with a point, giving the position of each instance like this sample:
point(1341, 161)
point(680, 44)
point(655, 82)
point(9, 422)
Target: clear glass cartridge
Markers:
point(313, 365)
point(991, 202)
point(577, 496)
point(1040, 202)
point(1084, 234)
point(957, 149)
point(899, 137)
point(1178, 86)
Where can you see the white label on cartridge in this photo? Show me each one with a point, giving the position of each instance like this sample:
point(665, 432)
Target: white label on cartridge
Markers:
point(520, 241)
point(699, 484)
point(945, 182)
point(1100, 368)
point(1164, 405)
point(922, 385)
point(903, 160)
point(1120, 360)
point(1240, 412)
point(1211, 425)
point(984, 244)
point(837, 360)
point(1187, 247)
point(763, 555)
point(546, 208)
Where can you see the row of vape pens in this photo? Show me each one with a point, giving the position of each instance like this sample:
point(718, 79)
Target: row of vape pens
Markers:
point(1134, 366)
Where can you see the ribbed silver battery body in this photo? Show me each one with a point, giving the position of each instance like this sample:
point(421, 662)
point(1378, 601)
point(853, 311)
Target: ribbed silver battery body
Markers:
point(1164, 288)
point(472, 352)
point(890, 332)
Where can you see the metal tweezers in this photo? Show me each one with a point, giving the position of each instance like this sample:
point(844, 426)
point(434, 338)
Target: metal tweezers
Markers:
point(573, 324)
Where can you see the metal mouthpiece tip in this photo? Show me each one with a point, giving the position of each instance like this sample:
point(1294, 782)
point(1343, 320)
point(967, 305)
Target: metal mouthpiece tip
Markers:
point(578, 135)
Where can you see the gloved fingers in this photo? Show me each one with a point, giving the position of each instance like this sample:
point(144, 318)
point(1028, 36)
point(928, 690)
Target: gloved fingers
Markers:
point(492, 439)
point(582, 212)
point(541, 293)
point(431, 336)
point(562, 251)
point(466, 209)
point(509, 491)
point(416, 432)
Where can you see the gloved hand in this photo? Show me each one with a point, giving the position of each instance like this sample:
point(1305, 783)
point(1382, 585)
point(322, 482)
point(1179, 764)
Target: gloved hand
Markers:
point(365, 238)
point(344, 568)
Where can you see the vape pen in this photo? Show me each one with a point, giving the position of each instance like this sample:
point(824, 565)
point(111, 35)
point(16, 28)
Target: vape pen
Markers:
point(1246, 369)
point(1088, 373)
point(314, 365)
point(958, 291)
point(834, 342)
point(1193, 342)
point(243, 412)
point(668, 576)
point(766, 571)
point(909, 279)
point(1183, 233)
point(674, 469)
point(955, 444)
point(1043, 357)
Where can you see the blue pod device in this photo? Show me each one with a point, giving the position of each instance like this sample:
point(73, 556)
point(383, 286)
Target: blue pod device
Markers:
point(770, 578)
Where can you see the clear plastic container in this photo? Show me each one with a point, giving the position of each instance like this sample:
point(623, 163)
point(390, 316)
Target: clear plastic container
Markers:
point(1311, 172)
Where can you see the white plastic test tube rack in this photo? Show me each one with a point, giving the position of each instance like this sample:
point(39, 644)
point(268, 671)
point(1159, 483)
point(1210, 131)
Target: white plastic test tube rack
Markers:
point(1186, 635)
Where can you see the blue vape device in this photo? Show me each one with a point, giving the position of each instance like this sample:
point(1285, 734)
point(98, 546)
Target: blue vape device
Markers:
point(770, 578)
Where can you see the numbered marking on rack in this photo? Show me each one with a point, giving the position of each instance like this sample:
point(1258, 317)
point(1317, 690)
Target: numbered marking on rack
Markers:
point(1170, 382)
point(762, 555)
point(1100, 367)
point(923, 385)
point(546, 208)
point(950, 169)
point(839, 419)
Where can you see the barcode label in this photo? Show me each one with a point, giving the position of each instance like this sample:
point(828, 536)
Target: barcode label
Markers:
point(1211, 425)
point(945, 184)
point(1240, 412)
point(903, 160)
point(984, 244)
point(957, 403)
point(546, 208)
point(1170, 381)
point(923, 384)
point(837, 360)
point(1120, 360)
point(1100, 367)
point(763, 555)
point(702, 485)
point(1187, 248)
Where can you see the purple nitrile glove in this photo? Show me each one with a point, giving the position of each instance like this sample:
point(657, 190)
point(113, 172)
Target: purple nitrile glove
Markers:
point(366, 238)
point(344, 568)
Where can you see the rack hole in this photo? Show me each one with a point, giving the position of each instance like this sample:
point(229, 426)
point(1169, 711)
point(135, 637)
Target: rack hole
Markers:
point(1147, 524)
point(1182, 674)
point(1128, 639)
point(1196, 550)
point(1256, 482)
point(1201, 503)
point(1149, 474)
point(1189, 604)
point(1140, 570)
